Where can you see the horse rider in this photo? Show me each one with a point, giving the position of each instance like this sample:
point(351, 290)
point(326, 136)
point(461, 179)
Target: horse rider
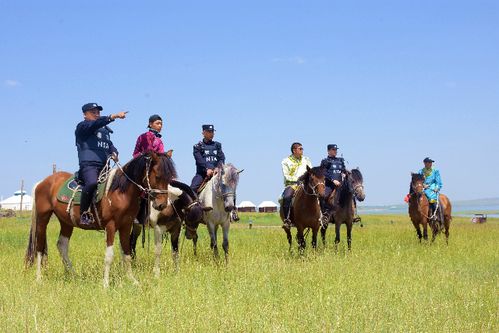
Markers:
point(293, 167)
point(335, 171)
point(432, 184)
point(94, 146)
point(208, 155)
point(149, 141)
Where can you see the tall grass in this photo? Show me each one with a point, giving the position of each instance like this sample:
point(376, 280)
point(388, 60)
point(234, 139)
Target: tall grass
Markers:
point(389, 282)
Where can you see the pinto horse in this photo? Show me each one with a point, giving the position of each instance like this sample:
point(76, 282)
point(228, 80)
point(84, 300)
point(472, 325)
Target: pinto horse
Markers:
point(342, 201)
point(183, 208)
point(220, 193)
point(148, 173)
point(305, 210)
point(419, 210)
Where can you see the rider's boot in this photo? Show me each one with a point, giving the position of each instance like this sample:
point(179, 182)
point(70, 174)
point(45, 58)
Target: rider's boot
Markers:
point(287, 221)
point(87, 218)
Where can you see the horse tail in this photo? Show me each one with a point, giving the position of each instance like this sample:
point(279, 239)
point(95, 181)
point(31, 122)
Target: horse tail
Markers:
point(29, 258)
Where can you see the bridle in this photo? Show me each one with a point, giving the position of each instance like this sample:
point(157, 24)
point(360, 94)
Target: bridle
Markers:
point(313, 188)
point(149, 191)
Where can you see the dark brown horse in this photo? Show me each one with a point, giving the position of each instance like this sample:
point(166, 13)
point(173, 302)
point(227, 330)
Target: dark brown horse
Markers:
point(419, 210)
point(305, 210)
point(342, 201)
point(116, 211)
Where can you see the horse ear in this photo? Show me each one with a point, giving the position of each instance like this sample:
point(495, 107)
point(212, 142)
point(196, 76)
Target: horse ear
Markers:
point(239, 171)
point(308, 168)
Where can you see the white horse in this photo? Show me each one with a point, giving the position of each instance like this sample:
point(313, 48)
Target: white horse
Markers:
point(220, 194)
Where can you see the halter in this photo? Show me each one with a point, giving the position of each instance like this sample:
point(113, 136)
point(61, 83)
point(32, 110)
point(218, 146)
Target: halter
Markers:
point(218, 190)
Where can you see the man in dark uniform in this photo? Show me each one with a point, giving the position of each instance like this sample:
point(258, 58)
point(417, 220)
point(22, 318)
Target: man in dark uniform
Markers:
point(94, 146)
point(208, 155)
point(335, 169)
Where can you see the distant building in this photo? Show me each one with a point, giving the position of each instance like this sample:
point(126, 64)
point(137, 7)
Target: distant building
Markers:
point(14, 202)
point(267, 207)
point(246, 206)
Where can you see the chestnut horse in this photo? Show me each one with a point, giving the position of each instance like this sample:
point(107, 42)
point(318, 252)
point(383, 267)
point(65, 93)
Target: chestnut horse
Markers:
point(419, 208)
point(149, 173)
point(305, 210)
point(342, 201)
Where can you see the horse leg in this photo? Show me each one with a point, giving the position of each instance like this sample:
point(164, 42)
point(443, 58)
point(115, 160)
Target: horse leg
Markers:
point(418, 231)
point(195, 243)
point(447, 225)
point(323, 234)
point(225, 243)
point(158, 248)
point(349, 234)
point(301, 240)
point(212, 229)
point(174, 235)
point(134, 236)
point(290, 238)
point(315, 231)
point(337, 226)
point(425, 229)
point(63, 246)
point(108, 258)
point(41, 243)
point(125, 247)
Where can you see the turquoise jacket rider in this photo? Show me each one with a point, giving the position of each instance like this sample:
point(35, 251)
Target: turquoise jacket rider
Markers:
point(434, 183)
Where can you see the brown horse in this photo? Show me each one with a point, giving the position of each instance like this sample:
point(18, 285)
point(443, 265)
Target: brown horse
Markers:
point(342, 201)
point(149, 173)
point(419, 208)
point(305, 209)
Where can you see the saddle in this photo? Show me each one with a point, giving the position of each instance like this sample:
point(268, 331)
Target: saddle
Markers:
point(70, 191)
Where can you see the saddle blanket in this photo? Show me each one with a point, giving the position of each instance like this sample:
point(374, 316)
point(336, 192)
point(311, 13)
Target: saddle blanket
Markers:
point(67, 189)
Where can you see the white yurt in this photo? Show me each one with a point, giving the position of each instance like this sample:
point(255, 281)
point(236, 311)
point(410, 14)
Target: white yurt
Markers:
point(14, 202)
point(246, 206)
point(267, 207)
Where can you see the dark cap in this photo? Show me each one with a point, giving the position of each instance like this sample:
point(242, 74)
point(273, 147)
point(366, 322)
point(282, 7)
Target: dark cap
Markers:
point(90, 106)
point(209, 128)
point(332, 146)
point(154, 117)
point(428, 160)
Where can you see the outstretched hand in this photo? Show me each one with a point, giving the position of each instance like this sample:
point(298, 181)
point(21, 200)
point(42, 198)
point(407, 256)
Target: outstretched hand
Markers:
point(120, 115)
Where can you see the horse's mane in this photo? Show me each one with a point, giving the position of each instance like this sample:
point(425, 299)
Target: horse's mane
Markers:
point(416, 177)
point(185, 188)
point(316, 171)
point(135, 171)
point(357, 176)
point(231, 174)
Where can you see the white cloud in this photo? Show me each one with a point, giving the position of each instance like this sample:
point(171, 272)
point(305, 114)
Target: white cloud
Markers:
point(297, 60)
point(12, 83)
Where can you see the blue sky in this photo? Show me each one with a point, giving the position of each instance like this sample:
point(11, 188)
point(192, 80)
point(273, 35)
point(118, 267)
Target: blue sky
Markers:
point(390, 82)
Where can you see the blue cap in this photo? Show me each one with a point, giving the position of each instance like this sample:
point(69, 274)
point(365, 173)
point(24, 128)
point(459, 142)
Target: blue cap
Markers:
point(209, 128)
point(90, 106)
point(332, 146)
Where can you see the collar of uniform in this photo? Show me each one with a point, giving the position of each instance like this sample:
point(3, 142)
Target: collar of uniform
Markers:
point(156, 133)
point(295, 159)
point(207, 142)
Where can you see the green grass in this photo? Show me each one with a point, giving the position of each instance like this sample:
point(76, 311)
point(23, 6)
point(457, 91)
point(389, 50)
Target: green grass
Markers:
point(387, 283)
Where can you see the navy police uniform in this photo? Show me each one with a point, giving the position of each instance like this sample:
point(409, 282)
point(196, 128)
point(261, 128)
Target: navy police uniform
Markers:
point(335, 167)
point(208, 155)
point(94, 146)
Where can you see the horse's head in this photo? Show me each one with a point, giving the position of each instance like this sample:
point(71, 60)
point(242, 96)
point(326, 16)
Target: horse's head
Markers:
point(159, 172)
point(417, 183)
point(357, 184)
point(227, 179)
point(150, 172)
point(314, 179)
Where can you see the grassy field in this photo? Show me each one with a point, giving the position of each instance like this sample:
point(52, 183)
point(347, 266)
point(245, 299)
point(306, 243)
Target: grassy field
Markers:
point(389, 282)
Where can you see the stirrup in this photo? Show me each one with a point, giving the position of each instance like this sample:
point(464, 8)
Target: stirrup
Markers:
point(233, 216)
point(325, 218)
point(87, 218)
point(287, 224)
